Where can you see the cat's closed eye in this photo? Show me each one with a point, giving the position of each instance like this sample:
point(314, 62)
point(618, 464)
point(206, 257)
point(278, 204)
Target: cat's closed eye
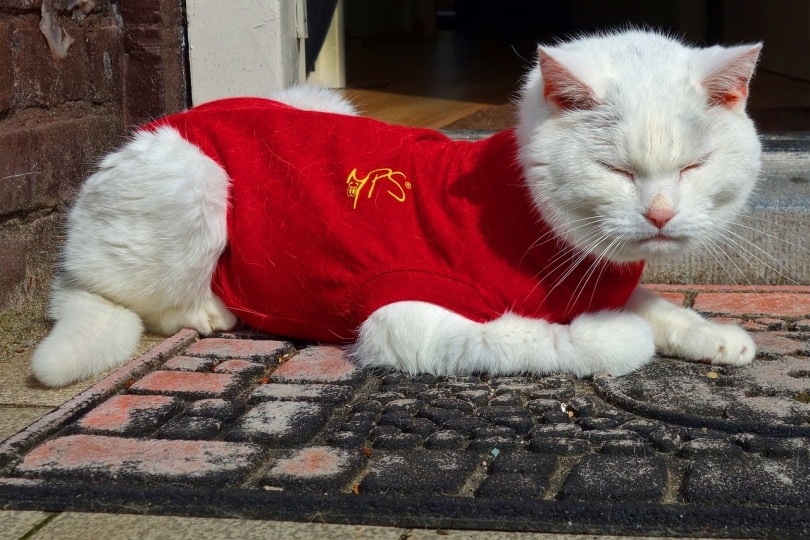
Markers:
point(629, 175)
point(693, 166)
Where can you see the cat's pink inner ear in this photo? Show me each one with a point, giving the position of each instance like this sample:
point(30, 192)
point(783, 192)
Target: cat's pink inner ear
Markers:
point(561, 87)
point(727, 86)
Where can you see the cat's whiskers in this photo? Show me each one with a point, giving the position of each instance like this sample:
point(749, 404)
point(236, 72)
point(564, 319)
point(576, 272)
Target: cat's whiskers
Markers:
point(724, 229)
point(738, 223)
point(733, 239)
point(710, 244)
point(580, 255)
point(575, 254)
point(586, 281)
point(554, 234)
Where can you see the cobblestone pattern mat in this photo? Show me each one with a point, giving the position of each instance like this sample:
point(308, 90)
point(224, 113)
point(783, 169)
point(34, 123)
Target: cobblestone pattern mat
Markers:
point(229, 426)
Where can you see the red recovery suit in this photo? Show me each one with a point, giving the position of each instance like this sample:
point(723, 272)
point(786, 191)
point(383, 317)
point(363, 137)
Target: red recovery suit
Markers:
point(332, 217)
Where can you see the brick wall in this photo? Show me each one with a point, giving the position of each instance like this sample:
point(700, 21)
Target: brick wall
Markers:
point(63, 104)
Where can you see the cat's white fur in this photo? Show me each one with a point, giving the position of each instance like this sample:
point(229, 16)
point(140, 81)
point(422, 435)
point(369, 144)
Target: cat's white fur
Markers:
point(633, 146)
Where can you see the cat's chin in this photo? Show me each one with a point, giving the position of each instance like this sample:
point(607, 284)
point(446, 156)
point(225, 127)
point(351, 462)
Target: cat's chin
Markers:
point(653, 248)
point(660, 247)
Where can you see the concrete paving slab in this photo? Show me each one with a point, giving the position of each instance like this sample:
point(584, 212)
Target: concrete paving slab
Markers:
point(16, 524)
point(80, 526)
point(20, 388)
point(13, 419)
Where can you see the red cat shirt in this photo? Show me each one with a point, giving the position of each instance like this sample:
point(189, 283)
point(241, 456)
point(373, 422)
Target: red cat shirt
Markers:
point(332, 217)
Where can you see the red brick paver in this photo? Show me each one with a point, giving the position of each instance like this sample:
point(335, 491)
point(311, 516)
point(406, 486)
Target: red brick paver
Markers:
point(677, 298)
point(114, 458)
point(265, 351)
point(189, 363)
point(323, 364)
point(774, 304)
point(189, 384)
point(312, 461)
point(280, 422)
point(778, 343)
point(90, 397)
point(324, 393)
point(240, 367)
point(128, 414)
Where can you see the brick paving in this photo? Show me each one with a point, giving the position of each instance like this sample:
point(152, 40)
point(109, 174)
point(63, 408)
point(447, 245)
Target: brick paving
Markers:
point(240, 424)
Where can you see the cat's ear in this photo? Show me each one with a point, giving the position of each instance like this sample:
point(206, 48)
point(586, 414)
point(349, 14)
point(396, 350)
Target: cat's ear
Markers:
point(561, 87)
point(729, 70)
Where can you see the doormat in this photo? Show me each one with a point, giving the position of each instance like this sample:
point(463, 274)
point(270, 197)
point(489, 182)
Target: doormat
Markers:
point(244, 425)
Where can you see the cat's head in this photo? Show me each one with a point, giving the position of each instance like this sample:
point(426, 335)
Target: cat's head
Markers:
point(635, 146)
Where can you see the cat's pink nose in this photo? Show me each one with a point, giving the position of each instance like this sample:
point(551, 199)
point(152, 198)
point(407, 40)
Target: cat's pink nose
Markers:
point(659, 212)
point(659, 216)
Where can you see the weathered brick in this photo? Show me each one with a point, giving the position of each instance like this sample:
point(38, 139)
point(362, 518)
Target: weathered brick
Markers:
point(187, 384)
point(778, 343)
point(6, 71)
point(771, 323)
point(512, 486)
point(189, 363)
point(22, 5)
point(104, 52)
point(322, 364)
point(315, 468)
point(191, 428)
point(12, 261)
point(709, 447)
point(216, 408)
point(627, 448)
point(679, 299)
point(40, 79)
point(321, 393)
point(802, 325)
point(398, 441)
point(727, 320)
point(154, 61)
point(241, 368)
point(425, 472)
point(752, 326)
point(607, 477)
point(142, 12)
point(446, 439)
point(749, 479)
point(32, 178)
point(280, 423)
point(264, 351)
point(764, 303)
point(562, 446)
point(144, 98)
point(95, 458)
point(600, 435)
point(128, 415)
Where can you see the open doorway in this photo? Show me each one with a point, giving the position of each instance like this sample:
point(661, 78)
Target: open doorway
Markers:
point(457, 63)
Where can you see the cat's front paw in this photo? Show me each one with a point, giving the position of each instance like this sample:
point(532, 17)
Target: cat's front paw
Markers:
point(612, 342)
point(719, 344)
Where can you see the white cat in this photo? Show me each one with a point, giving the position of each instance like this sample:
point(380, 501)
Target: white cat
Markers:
point(630, 147)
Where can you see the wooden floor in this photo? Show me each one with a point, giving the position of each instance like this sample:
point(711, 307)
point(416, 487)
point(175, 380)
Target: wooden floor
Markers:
point(431, 82)
point(451, 81)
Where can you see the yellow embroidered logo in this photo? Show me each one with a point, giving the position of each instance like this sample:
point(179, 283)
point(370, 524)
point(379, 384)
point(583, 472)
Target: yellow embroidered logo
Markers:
point(397, 184)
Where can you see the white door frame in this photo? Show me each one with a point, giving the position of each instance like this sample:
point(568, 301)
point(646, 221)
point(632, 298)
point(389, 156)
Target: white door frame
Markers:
point(244, 47)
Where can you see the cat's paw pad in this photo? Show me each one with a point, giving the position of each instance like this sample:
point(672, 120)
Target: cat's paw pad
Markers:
point(719, 344)
point(613, 342)
point(736, 347)
point(218, 316)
